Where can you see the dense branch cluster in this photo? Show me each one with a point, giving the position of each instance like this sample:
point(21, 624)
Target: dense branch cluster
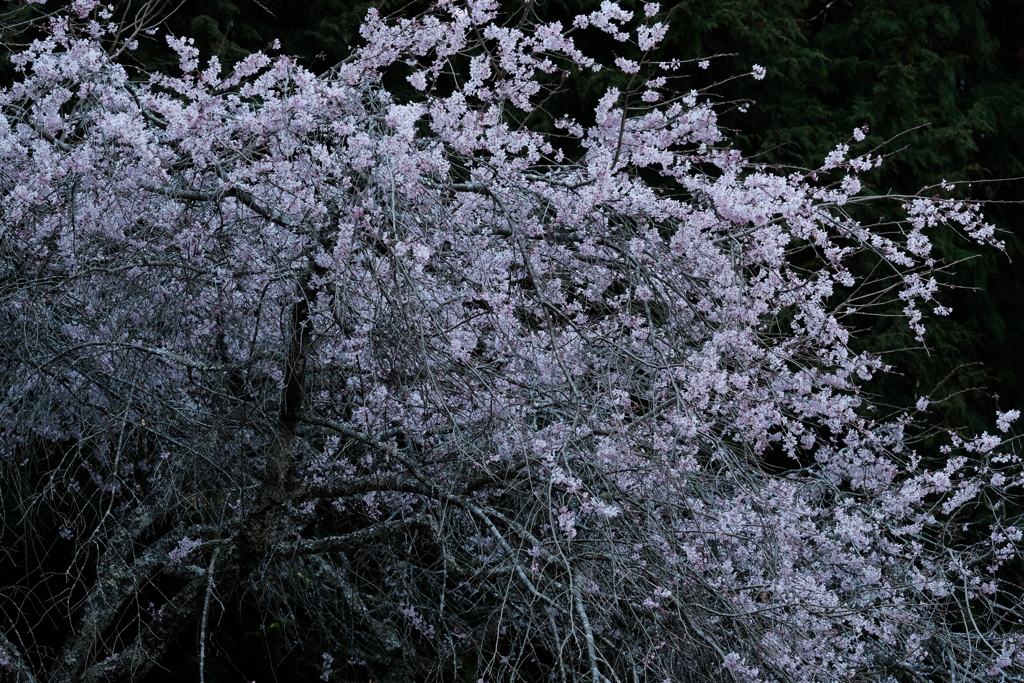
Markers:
point(480, 400)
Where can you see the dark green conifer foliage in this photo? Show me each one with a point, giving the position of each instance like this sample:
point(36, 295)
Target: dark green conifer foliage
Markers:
point(941, 86)
point(318, 32)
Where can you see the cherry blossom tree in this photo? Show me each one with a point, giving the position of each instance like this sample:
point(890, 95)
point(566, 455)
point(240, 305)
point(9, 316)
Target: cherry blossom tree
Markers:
point(484, 391)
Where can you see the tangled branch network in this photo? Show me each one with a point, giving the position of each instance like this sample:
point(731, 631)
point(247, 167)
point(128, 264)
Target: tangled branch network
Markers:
point(460, 388)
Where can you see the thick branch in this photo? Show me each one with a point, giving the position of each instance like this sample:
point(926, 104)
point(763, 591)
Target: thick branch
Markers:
point(243, 196)
point(11, 659)
point(117, 580)
point(352, 540)
point(142, 654)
